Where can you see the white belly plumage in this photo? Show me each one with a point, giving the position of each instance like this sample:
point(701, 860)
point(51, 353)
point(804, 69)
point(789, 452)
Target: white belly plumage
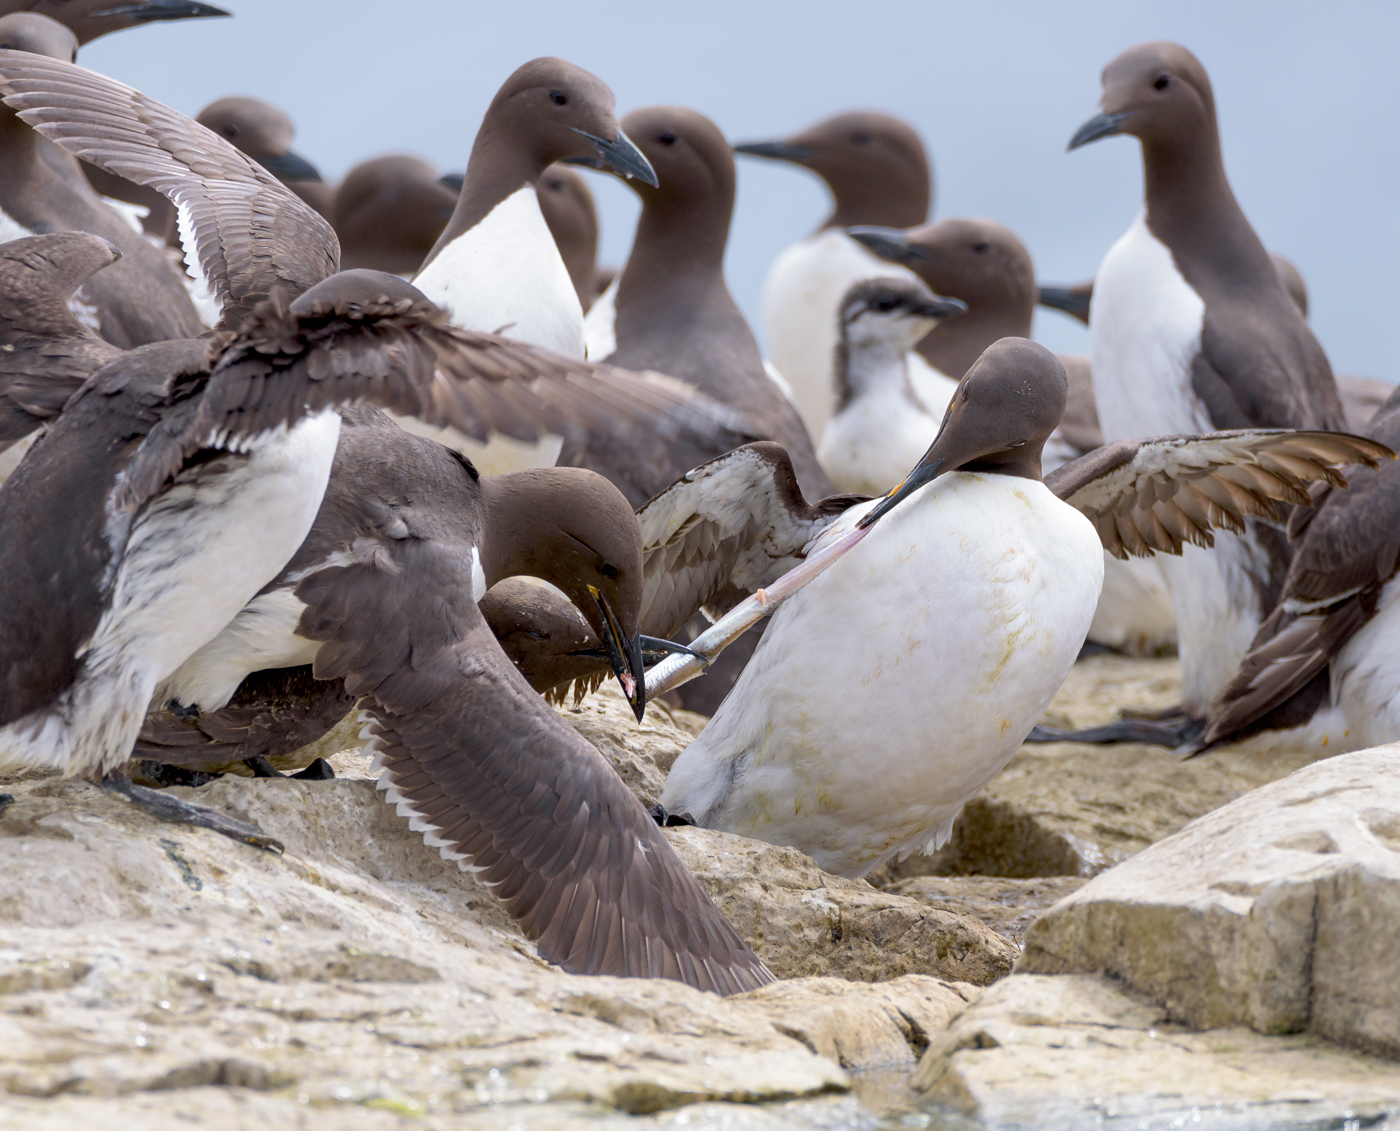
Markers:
point(193, 558)
point(505, 275)
point(801, 297)
point(895, 685)
point(1145, 332)
point(876, 440)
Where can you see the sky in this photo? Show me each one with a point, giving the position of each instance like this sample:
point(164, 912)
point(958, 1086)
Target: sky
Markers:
point(1307, 96)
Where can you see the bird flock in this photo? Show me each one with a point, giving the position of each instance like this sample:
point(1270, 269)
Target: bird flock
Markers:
point(274, 451)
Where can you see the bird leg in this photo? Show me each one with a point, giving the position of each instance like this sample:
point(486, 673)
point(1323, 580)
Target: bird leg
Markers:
point(162, 774)
point(319, 770)
point(669, 820)
point(1171, 732)
point(1175, 711)
point(164, 807)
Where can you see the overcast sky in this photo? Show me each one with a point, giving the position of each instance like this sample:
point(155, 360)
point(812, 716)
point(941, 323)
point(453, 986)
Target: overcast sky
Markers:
point(1307, 93)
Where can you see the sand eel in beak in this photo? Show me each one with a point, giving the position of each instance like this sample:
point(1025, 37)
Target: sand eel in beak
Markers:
point(496, 266)
point(975, 578)
point(1191, 329)
point(877, 172)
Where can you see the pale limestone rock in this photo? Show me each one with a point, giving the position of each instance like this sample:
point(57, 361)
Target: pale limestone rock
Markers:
point(887, 1025)
point(803, 921)
point(1008, 906)
point(1279, 911)
point(1067, 809)
point(641, 753)
point(1079, 1051)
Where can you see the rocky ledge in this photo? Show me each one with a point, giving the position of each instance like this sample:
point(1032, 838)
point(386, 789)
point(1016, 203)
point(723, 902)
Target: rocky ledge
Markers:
point(1243, 966)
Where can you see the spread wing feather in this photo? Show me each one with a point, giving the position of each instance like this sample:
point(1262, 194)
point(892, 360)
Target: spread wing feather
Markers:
point(496, 781)
point(247, 233)
point(1154, 496)
point(728, 527)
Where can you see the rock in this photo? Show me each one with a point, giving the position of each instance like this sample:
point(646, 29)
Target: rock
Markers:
point(1070, 810)
point(805, 922)
point(1008, 906)
point(361, 975)
point(861, 1027)
point(1078, 1051)
point(1279, 911)
point(640, 753)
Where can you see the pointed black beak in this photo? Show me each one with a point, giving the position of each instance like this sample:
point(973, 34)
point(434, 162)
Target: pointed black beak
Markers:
point(454, 181)
point(1100, 125)
point(624, 657)
point(1073, 301)
point(152, 11)
point(290, 167)
point(775, 150)
point(922, 473)
point(622, 157)
point(941, 308)
point(888, 243)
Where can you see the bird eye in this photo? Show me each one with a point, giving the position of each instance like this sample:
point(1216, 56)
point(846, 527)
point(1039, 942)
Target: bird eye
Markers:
point(979, 248)
point(860, 139)
point(229, 131)
point(558, 97)
point(1163, 81)
point(668, 138)
point(608, 570)
point(885, 305)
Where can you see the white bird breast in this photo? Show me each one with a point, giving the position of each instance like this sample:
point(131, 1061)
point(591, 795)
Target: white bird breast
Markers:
point(895, 685)
point(505, 274)
point(1145, 329)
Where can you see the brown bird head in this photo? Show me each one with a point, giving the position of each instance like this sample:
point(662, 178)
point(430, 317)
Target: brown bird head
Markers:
point(980, 262)
point(261, 131)
point(39, 35)
point(873, 163)
point(1158, 93)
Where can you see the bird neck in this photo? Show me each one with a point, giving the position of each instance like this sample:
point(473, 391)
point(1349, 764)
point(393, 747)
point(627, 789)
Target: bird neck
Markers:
point(897, 200)
point(877, 367)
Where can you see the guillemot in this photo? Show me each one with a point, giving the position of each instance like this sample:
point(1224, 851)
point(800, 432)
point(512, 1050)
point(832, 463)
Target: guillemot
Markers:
point(225, 464)
point(1191, 329)
point(877, 171)
point(1321, 673)
point(948, 629)
point(496, 266)
point(673, 310)
point(984, 264)
point(388, 213)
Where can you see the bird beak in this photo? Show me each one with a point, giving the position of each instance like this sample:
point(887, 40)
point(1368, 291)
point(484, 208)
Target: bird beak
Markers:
point(1074, 301)
point(290, 167)
point(622, 157)
point(624, 656)
point(152, 11)
point(940, 308)
point(1100, 125)
point(888, 243)
point(925, 471)
point(454, 181)
point(775, 150)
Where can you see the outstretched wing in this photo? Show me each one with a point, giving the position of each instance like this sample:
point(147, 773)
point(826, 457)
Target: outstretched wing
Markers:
point(405, 356)
point(721, 531)
point(245, 233)
point(497, 782)
point(1146, 496)
point(1347, 553)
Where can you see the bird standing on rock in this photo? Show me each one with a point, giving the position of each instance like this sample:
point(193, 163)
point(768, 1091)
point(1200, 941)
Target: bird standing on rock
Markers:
point(893, 686)
point(1191, 329)
point(211, 466)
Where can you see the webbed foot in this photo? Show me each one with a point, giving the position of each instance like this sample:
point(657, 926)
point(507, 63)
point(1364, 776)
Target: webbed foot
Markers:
point(164, 807)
